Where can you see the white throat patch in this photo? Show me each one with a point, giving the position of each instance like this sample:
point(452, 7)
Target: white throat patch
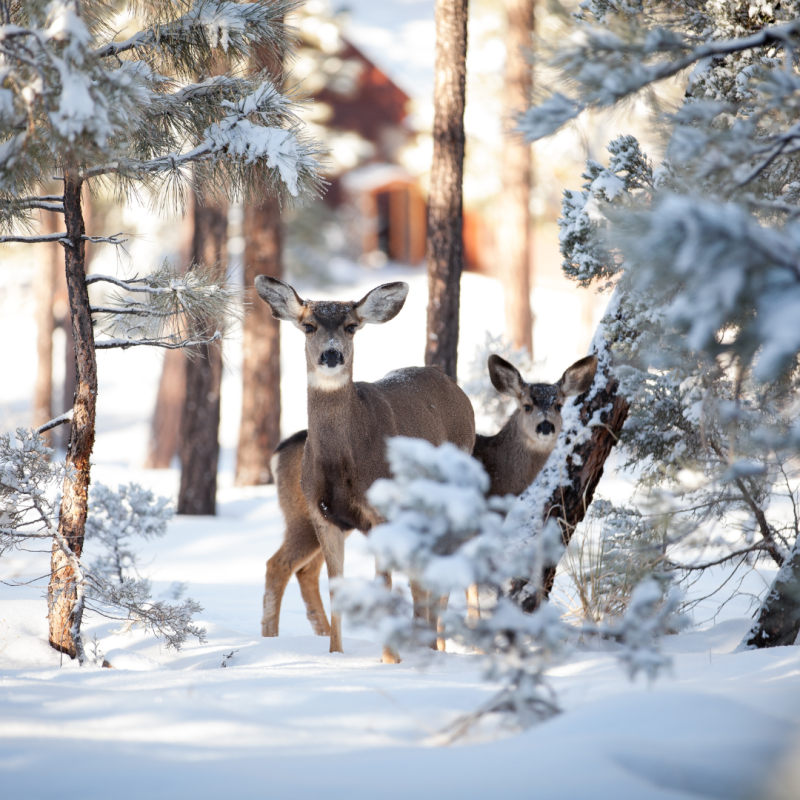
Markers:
point(328, 379)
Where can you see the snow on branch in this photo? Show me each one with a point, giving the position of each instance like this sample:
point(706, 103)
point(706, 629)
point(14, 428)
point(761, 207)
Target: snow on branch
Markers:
point(604, 67)
point(445, 533)
point(63, 419)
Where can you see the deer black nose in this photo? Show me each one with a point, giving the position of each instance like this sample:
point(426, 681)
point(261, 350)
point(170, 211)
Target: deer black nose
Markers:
point(331, 358)
point(545, 428)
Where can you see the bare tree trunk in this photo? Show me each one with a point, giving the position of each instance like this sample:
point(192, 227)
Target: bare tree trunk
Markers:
point(45, 325)
point(445, 245)
point(778, 621)
point(64, 610)
point(200, 419)
point(514, 239)
point(579, 472)
point(166, 426)
point(259, 433)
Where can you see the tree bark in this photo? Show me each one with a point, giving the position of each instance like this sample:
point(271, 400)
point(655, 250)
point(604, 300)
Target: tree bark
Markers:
point(200, 420)
point(778, 621)
point(45, 325)
point(259, 432)
point(64, 612)
point(166, 425)
point(514, 237)
point(260, 427)
point(445, 245)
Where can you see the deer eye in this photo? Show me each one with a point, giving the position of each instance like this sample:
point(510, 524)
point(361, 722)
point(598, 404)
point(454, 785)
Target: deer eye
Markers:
point(350, 328)
point(559, 407)
point(309, 328)
point(528, 408)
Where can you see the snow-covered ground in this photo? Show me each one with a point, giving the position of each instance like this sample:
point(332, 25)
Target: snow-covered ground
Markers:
point(284, 718)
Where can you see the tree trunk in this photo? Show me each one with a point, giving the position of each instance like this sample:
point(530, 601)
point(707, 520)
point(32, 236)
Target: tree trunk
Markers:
point(445, 245)
point(64, 612)
point(778, 621)
point(45, 325)
point(580, 469)
point(514, 224)
point(166, 426)
point(259, 433)
point(200, 419)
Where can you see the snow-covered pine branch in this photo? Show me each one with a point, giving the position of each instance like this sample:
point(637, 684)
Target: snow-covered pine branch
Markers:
point(130, 111)
point(603, 66)
point(445, 534)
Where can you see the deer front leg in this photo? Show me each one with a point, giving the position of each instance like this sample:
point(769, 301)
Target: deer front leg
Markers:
point(331, 540)
point(308, 578)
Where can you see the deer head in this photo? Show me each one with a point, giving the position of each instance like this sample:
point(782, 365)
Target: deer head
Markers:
point(330, 326)
point(540, 404)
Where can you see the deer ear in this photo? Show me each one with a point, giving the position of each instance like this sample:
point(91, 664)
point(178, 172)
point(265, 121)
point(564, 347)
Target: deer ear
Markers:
point(505, 377)
point(579, 377)
point(281, 298)
point(382, 304)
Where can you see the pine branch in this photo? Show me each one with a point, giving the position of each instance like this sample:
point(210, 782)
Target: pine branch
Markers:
point(54, 423)
point(124, 344)
point(48, 237)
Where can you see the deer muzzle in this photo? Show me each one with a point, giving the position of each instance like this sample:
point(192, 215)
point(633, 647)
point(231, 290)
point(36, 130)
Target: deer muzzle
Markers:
point(545, 428)
point(331, 358)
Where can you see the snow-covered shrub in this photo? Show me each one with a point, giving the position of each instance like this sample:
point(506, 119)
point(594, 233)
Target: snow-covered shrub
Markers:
point(115, 517)
point(614, 550)
point(29, 513)
point(492, 409)
point(445, 534)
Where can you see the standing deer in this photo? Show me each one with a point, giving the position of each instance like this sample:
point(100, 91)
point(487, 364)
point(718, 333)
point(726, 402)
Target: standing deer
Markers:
point(345, 448)
point(515, 455)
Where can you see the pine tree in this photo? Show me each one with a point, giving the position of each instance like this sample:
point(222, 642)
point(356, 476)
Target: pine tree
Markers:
point(514, 234)
point(445, 246)
point(704, 252)
point(80, 103)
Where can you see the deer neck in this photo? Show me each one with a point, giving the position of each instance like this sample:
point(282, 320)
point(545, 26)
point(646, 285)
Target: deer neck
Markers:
point(331, 411)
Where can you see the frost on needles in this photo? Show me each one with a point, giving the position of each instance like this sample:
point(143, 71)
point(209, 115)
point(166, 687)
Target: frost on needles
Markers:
point(111, 587)
point(445, 534)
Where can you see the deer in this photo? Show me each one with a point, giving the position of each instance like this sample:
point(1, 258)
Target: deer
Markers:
point(344, 448)
point(517, 453)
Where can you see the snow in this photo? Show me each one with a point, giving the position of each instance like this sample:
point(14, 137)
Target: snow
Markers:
point(285, 718)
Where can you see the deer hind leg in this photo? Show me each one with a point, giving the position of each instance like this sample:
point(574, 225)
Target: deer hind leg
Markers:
point(388, 655)
point(428, 611)
point(308, 578)
point(473, 602)
point(441, 644)
point(300, 546)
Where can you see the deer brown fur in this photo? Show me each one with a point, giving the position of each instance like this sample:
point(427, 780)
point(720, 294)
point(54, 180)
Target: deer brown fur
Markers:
point(348, 424)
